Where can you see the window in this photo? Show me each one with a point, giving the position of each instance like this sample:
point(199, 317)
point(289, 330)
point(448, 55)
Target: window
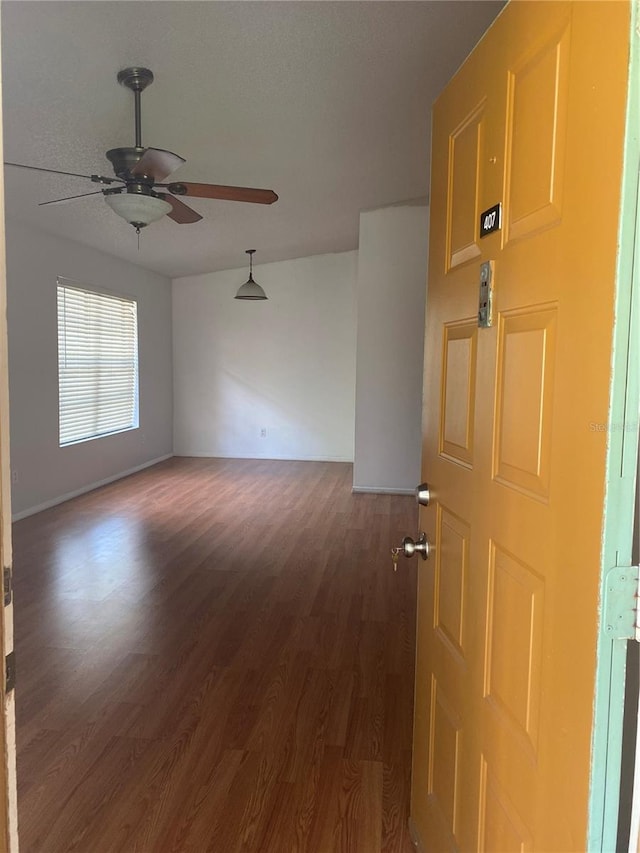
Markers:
point(97, 363)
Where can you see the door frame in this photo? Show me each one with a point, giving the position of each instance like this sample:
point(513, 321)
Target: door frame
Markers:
point(8, 778)
point(622, 460)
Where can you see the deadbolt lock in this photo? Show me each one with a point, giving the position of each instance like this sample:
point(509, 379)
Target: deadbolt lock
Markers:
point(423, 494)
point(485, 303)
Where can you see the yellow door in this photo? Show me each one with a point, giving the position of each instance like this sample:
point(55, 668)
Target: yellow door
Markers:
point(514, 444)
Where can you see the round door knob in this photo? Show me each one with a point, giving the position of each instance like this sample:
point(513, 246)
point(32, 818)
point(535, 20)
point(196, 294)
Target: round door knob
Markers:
point(411, 547)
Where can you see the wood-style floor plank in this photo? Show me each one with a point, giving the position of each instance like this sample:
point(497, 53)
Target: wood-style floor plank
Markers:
point(215, 655)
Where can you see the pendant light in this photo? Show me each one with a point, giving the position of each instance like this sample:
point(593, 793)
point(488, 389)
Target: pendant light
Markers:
point(251, 289)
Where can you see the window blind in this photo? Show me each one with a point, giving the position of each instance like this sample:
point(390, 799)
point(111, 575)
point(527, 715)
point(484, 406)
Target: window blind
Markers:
point(97, 363)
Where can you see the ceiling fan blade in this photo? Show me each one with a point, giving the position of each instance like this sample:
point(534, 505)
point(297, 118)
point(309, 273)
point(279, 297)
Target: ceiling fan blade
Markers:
point(181, 213)
point(157, 164)
point(97, 179)
point(68, 198)
point(221, 192)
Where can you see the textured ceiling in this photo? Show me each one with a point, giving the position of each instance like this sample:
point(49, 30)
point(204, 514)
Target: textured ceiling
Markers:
point(327, 103)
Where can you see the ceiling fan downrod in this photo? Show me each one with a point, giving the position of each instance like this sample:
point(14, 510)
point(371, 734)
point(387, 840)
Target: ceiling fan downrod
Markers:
point(137, 79)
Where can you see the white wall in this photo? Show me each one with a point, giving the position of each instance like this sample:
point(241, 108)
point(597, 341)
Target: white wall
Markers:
point(46, 472)
point(391, 289)
point(286, 365)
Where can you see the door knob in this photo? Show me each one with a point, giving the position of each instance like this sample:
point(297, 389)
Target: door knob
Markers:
point(410, 547)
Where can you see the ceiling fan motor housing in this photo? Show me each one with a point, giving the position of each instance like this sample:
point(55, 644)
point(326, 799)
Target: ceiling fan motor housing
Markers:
point(124, 160)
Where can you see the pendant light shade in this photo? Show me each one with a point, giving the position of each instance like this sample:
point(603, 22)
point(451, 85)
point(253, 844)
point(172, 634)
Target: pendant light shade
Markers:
point(251, 289)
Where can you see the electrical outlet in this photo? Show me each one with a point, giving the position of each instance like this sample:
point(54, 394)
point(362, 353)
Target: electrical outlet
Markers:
point(14, 476)
point(263, 432)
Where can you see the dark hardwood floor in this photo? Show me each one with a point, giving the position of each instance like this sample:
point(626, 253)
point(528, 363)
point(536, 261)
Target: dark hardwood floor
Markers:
point(215, 655)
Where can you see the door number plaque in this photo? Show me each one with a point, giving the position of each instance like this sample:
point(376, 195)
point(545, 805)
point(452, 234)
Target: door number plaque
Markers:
point(485, 304)
point(491, 220)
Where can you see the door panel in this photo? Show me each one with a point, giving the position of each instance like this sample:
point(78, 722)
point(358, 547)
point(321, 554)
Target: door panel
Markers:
point(508, 604)
point(536, 136)
point(452, 583)
point(465, 157)
point(458, 392)
point(444, 768)
point(513, 672)
point(501, 828)
point(526, 348)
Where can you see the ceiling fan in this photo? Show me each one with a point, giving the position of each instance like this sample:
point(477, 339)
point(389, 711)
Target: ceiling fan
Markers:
point(140, 172)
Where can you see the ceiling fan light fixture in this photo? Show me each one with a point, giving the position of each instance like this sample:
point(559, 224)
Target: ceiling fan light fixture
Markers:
point(137, 209)
point(250, 290)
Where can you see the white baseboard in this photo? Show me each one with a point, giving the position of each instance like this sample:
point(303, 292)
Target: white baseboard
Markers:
point(276, 458)
point(381, 490)
point(89, 488)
